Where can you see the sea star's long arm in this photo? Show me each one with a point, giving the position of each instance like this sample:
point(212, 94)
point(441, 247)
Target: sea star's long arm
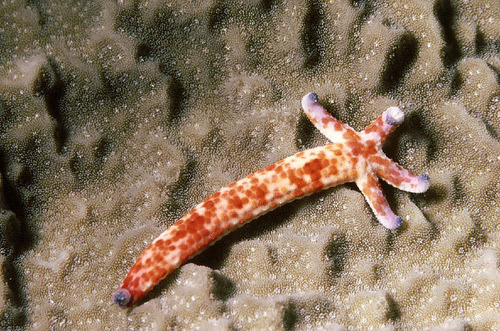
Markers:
point(352, 156)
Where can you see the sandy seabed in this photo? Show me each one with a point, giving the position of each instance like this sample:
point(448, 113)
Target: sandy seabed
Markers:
point(116, 118)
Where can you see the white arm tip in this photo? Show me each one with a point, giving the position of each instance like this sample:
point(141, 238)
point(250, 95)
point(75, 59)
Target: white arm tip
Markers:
point(309, 100)
point(394, 116)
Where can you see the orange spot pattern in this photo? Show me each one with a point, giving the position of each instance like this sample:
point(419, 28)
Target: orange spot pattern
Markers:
point(296, 176)
point(301, 174)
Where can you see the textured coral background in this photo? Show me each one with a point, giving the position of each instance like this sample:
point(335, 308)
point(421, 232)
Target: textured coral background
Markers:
point(118, 117)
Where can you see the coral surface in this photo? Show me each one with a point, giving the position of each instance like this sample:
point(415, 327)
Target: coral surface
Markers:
point(118, 117)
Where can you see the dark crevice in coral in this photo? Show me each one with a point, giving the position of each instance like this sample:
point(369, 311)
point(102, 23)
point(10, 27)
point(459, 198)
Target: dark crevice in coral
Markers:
point(269, 5)
point(129, 20)
point(351, 186)
point(24, 178)
point(216, 16)
point(17, 313)
point(180, 189)
point(178, 96)
point(272, 255)
point(390, 144)
point(358, 3)
point(166, 29)
point(436, 194)
point(50, 86)
point(110, 88)
point(365, 9)
point(86, 168)
point(432, 152)
point(114, 85)
point(74, 165)
point(394, 312)
point(480, 42)
point(496, 71)
point(14, 312)
point(45, 81)
point(21, 241)
point(143, 52)
point(391, 236)
point(9, 227)
point(313, 30)
point(456, 83)
point(290, 316)
point(42, 13)
point(420, 200)
point(102, 149)
point(491, 130)
point(445, 13)
point(17, 203)
point(163, 27)
point(177, 93)
point(222, 287)
point(6, 115)
point(459, 194)
point(336, 251)
point(474, 239)
point(398, 62)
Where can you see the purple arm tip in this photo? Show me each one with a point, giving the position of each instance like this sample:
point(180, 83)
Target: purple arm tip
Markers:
point(122, 297)
point(399, 221)
point(309, 100)
point(394, 116)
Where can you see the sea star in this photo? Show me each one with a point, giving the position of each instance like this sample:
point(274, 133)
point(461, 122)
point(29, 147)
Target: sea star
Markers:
point(351, 157)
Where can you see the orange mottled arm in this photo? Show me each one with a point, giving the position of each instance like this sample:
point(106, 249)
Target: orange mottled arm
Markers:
point(231, 207)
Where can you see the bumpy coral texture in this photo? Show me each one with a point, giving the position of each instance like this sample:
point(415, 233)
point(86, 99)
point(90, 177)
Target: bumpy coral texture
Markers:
point(116, 118)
